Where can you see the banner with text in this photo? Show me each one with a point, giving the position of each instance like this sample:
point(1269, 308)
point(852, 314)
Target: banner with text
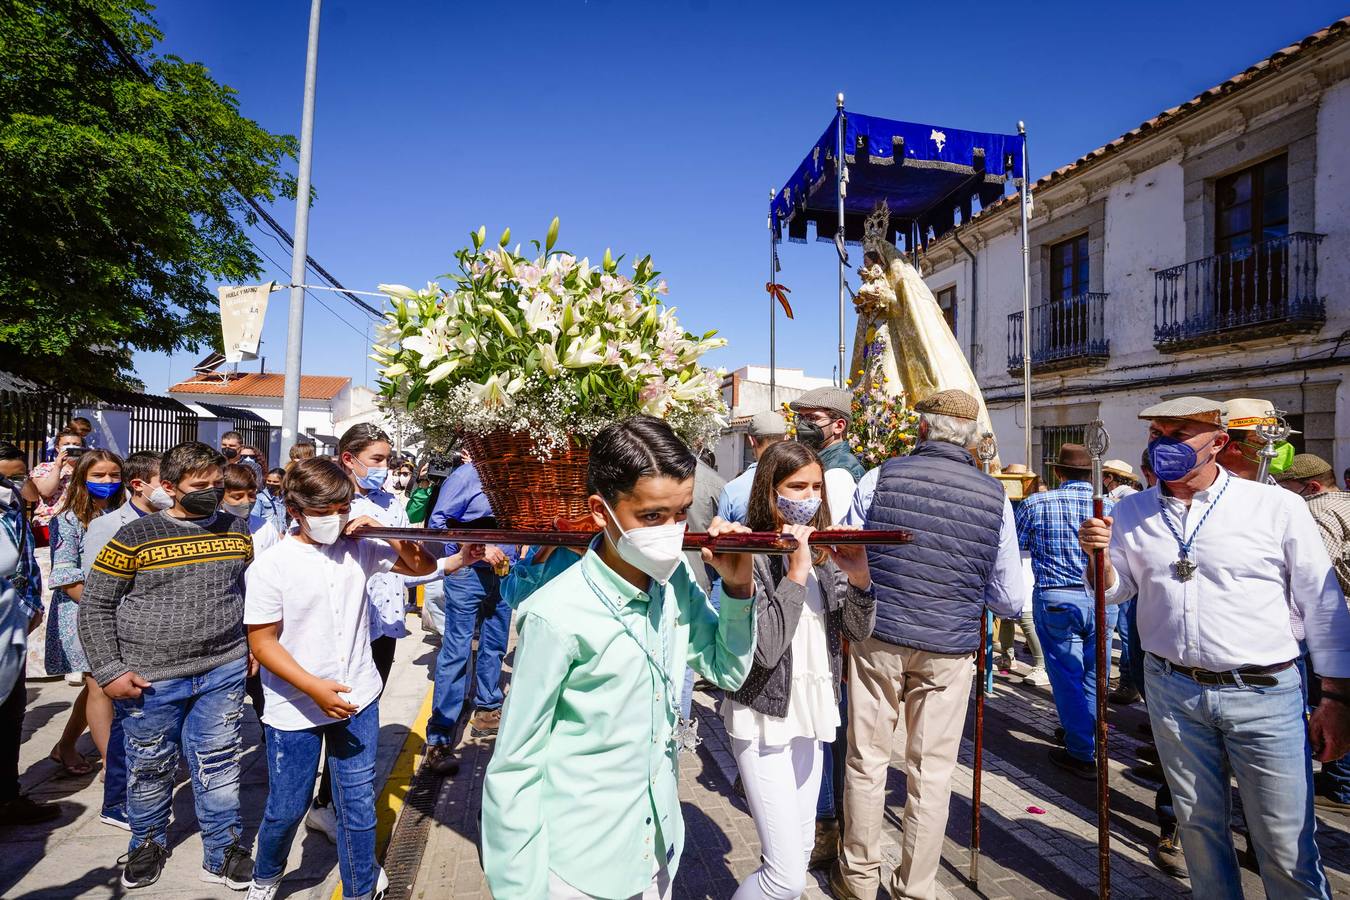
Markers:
point(242, 310)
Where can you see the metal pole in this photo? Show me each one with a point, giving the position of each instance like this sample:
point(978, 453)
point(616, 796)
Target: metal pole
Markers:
point(1272, 433)
point(986, 451)
point(841, 178)
point(1026, 300)
point(773, 317)
point(290, 398)
point(1097, 443)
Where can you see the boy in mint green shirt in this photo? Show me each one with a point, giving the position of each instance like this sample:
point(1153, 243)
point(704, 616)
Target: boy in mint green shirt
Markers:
point(580, 796)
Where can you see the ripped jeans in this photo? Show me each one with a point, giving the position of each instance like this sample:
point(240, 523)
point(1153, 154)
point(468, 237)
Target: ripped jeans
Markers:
point(200, 718)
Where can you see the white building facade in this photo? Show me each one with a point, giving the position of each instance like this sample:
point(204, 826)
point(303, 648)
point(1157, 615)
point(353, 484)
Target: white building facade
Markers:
point(1206, 252)
point(747, 391)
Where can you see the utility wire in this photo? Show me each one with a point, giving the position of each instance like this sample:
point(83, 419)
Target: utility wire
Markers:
point(113, 41)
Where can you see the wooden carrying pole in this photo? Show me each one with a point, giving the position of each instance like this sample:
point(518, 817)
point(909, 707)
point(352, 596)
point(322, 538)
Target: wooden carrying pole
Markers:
point(986, 451)
point(1097, 443)
point(741, 542)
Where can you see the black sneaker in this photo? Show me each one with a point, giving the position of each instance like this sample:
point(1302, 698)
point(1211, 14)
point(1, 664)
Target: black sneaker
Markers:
point(1072, 764)
point(23, 810)
point(440, 760)
point(236, 871)
point(142, 867)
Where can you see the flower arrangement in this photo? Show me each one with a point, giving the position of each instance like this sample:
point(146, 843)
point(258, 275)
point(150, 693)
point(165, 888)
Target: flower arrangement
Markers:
point(882, 425)
point(549, 347)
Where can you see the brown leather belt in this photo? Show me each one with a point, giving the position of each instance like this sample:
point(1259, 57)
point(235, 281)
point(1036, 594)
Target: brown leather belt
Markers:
point(1254, 676)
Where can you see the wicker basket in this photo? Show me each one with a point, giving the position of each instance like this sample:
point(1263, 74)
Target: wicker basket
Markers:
point(527, 492)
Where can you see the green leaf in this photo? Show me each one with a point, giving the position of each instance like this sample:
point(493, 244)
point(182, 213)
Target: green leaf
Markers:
point(418, 389)
point(552, 237)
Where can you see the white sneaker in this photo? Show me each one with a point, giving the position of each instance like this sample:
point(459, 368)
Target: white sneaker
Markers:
point(323, 820)
point(1036, 676)
point(115, 822)
point(263, 891)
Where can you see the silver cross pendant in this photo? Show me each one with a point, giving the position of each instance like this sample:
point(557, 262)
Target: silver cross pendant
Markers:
point(1185, 569)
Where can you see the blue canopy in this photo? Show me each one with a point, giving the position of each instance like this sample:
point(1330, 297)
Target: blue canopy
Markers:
point(923, 172)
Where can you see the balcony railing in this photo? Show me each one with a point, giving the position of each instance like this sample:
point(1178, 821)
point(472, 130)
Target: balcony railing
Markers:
point(1265, 290)
point(1065, 334)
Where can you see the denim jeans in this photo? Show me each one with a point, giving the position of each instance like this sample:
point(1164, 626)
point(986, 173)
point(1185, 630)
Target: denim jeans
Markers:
point(115, 770)
point(1064, 623)
point(1125, 623)
point(473, 599)
point(198, 717)
point(828, 804)
point(1207, 733)
point(292, 763)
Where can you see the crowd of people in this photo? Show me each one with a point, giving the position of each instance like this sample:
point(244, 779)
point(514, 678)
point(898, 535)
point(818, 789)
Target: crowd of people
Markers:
point(184, 582)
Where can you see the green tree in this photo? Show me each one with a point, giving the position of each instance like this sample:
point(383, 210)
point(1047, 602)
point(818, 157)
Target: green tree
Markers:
point(121, 195)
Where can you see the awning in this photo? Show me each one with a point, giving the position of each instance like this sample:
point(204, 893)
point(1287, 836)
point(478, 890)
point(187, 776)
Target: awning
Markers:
point(925, 173)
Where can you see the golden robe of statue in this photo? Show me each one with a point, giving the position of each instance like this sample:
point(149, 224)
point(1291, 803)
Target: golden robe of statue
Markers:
point(920, 353)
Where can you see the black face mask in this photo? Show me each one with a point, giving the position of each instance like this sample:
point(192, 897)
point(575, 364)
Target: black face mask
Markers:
point(229, 452)
point(810, 434)
point(203, 502)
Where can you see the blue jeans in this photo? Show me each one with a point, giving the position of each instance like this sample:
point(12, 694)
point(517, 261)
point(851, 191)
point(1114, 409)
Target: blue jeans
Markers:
point(1125, 619)
point(198, 717)
point(1207, 733)
point(1064, 623)
point(115, 770)
point(473, 599)
point(292, 763)
point(829, 803)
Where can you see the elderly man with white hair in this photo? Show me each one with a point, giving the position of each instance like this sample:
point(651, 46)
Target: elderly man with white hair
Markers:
point(931, 598)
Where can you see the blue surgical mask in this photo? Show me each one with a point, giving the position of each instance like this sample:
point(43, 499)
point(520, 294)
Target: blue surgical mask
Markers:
point(798, 512)
point(374, 478)
point(103, 489)
point(1171, 459)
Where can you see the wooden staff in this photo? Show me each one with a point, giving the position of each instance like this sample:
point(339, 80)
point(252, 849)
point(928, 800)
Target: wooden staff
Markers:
point(1097, 443)
point(986, 451)
point(739, 542)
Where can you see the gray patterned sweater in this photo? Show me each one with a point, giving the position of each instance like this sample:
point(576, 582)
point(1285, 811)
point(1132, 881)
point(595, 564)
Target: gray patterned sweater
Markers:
point(165, 598)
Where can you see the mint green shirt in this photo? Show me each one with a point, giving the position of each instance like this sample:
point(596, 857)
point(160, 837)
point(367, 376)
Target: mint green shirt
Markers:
point(583, 778)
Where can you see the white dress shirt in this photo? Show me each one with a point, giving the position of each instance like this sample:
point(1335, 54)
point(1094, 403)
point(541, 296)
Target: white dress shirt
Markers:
point(1006, 592)
point(1257, 557)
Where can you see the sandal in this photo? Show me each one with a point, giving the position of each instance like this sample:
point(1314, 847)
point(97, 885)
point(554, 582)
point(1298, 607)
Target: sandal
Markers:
point(76, 771)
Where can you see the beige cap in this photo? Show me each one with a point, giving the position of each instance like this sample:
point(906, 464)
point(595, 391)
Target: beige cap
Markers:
point(1245, 413)
point(836, 400)
point(1305, 465)
point(952, 402)
point(1198, 409)
point(1016, 469)
point(1120, 467)
point(767, 424)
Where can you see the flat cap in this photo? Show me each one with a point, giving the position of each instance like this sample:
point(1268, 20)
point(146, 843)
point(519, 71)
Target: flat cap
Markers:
point(1120, 467)
point(1245, 413)
point(767, 424)
point(1305, 465)
point(836, 400)
point(952, 402)
point(1199, 409)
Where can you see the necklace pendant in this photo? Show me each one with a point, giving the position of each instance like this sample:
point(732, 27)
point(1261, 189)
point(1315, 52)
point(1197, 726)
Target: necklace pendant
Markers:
point(1185, 568)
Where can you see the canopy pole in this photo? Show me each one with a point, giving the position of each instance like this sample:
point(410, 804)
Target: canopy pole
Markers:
point(1026, 301)
point(841, 179)
point(773, 317)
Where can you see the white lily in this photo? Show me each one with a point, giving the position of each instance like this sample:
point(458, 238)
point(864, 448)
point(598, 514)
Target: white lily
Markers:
point(441, 372)
point(395, 370)
point(539, 314)
point(402, 291)
point(582, 354)
point(548, 359)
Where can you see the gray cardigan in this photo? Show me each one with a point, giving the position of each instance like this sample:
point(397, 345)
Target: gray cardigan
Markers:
point(778, 608)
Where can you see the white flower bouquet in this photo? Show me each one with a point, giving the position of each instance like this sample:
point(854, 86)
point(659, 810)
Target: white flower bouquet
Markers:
point(549, 348)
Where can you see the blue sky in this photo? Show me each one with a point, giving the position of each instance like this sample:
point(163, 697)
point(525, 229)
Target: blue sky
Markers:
point(661, 127)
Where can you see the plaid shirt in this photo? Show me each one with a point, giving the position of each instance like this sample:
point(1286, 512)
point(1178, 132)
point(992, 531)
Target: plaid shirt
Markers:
point(14, 528)
point(1047, 528)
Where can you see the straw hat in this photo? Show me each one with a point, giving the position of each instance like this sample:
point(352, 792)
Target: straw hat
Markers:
point(1120, 467)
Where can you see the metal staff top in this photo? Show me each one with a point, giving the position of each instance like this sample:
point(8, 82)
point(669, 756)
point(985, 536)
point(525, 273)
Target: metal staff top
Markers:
point(1098, 442)
point(987, 450)
point(736, 542)
point(1272, 433)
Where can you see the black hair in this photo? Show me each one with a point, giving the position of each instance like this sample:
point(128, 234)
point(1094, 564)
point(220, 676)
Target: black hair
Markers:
point(633, 448)
point(186, 459)
point(10, 452)
point(232, 434)
point(360, 436)
point(140, 466)
point(277, 471)
point(240, 478)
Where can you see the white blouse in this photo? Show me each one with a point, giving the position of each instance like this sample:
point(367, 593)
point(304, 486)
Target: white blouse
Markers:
point(812, 709)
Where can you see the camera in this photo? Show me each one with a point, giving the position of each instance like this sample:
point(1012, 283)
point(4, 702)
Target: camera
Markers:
point(75, 452)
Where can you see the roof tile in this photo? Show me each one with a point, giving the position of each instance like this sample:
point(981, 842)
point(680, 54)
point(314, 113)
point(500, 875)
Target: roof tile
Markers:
point(260, 384)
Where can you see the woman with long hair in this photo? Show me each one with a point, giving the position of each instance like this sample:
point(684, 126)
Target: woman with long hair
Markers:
point(807, 603)
point(95, 486)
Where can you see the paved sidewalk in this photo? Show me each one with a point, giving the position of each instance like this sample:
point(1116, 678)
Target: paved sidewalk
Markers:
point(1046, 853)
point(75, 856)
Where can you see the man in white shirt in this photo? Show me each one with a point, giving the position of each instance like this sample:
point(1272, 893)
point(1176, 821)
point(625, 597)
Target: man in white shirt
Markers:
point(1216, 562)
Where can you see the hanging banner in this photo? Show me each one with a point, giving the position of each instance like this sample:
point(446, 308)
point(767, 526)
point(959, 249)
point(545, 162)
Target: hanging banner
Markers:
point(242, 310)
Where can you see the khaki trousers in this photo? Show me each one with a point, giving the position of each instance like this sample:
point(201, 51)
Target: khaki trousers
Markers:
point(933, 690)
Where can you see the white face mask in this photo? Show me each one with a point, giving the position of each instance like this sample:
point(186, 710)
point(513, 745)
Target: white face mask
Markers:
point(6, 495)
point(326, 529)
point(655, 550)
point(159, 499)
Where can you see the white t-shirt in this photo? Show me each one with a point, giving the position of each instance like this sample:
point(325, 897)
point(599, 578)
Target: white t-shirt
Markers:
point(839, 490)
point(264, 532)
point(318, 594)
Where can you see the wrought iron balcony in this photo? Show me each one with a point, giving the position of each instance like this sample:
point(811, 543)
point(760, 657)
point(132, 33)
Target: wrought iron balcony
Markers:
point(1065, 334)
point(1266, 290)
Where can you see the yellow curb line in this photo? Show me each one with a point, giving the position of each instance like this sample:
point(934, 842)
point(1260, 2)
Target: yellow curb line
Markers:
point(390, 801)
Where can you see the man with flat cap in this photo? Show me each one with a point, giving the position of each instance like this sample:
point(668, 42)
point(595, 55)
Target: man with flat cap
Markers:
point(823, 416)
point(1216, 563)
point(1047, 529)
point(931, 597)
point(766, 429)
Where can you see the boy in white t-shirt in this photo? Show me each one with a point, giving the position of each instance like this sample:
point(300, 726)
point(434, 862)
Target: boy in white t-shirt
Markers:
point(308, 626)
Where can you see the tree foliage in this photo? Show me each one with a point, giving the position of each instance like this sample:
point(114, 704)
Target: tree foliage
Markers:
point(121, 196)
